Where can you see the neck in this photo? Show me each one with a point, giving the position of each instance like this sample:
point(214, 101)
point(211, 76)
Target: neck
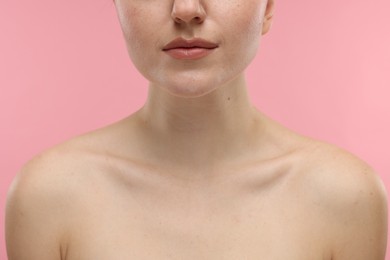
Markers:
point(199, 133)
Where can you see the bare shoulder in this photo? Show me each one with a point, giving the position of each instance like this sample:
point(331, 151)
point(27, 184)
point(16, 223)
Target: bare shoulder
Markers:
point(60, 173)
point(354, 200)
point(39, 203)
point(54, 174)
point(347, 176)
point(49, 172)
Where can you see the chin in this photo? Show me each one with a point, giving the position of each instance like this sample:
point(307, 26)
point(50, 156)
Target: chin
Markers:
point(188, 91)
point(188, 86)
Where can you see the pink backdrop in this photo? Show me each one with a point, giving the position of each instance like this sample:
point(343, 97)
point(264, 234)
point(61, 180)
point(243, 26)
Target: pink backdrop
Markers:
point(323, 70)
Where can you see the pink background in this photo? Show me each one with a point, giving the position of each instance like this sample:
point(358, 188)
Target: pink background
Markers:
point(323, 70)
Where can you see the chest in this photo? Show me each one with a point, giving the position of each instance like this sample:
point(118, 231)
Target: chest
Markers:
point(182, 226)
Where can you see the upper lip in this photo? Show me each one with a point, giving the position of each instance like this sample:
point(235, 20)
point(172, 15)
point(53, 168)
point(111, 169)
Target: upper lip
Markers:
point(194, 42)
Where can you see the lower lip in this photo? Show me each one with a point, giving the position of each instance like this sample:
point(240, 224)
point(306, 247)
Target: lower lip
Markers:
point(189, 53)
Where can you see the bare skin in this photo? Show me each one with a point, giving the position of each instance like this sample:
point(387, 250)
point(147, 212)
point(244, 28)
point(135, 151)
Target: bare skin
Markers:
point(87, 199)
point(197, 172)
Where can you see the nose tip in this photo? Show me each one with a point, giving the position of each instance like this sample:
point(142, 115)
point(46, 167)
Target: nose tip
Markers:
point(188, 11)
point(181, 20)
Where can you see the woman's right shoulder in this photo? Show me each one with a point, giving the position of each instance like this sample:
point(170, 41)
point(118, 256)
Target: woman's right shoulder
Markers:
point(52, 173)
point(66, 166)
point(40, 202)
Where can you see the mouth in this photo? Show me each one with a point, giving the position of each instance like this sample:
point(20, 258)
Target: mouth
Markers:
point(195, 43)
point(193, 53)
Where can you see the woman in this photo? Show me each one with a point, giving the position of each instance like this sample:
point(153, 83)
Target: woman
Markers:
point(197, 172)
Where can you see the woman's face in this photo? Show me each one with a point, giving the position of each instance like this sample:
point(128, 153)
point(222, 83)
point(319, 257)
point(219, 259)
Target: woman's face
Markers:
point(235, 26)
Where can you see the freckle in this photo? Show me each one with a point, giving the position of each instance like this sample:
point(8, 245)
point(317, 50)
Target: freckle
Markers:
point(228, 98)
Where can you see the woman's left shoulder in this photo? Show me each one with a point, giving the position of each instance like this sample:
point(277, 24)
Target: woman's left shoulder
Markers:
point(341, 173)
point(344, 170)
point(351, 196)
